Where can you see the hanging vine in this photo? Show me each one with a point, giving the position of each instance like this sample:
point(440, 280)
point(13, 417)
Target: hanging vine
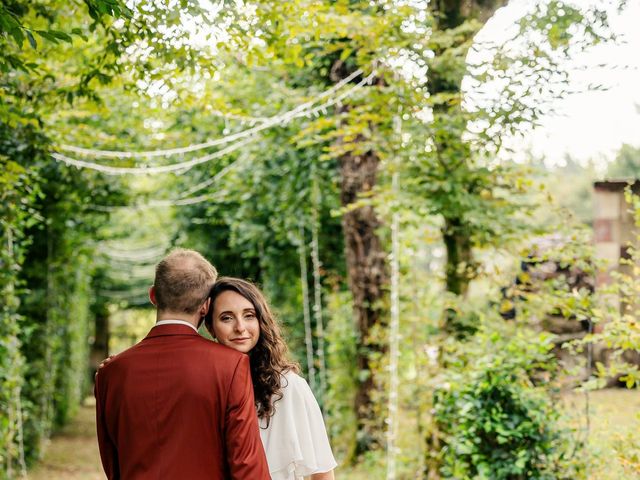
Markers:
point(308, 334)
point(394, 340)
point(317, 285)
point(394, 325)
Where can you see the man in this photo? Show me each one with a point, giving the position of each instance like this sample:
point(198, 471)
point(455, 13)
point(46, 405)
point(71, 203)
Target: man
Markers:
point(176, 405)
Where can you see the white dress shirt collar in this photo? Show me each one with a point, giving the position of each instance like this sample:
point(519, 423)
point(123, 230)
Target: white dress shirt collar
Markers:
point(176, 322)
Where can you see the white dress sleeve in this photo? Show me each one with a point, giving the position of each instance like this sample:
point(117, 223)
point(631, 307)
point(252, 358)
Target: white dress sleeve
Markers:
point(295, 440)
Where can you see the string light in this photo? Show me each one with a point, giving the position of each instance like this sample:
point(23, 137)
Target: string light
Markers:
point(182, 167)
point(210, 181)
point(127, 246)
point(141, 293)
point(177, 168)
point(181, 201)
point(137, 255)
point(239, 118)
point(270, 122)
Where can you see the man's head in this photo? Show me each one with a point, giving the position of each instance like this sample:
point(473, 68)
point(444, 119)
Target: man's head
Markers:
point(182, 283)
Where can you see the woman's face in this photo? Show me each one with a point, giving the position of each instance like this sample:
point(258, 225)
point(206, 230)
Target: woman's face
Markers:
point(235, 323)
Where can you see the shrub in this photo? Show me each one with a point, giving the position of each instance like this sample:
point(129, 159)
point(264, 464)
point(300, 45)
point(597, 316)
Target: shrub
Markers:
point(496, 422)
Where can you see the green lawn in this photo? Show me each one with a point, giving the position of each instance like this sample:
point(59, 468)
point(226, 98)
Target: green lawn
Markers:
point(614, 430)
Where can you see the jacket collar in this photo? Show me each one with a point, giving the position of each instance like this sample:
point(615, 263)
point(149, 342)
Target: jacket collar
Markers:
point(171, 329)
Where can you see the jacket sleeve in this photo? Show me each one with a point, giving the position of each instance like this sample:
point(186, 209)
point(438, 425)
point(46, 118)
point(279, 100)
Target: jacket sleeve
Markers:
point(242, 435)
point(108, 450)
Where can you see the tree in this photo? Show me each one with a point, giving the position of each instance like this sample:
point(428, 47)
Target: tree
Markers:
point(476, 105)
point(626, 163)
point(480, 201)
point(326, 44)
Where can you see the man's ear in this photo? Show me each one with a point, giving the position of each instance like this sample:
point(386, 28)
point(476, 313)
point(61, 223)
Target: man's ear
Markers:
point(152, 295)
point(205, 307)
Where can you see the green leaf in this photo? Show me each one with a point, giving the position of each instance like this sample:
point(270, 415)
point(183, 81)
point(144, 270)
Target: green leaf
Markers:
point(80, 33)
point(61, 35)
point(18, 36)
point(31, 39)
point(47, 36)
point(345, 54)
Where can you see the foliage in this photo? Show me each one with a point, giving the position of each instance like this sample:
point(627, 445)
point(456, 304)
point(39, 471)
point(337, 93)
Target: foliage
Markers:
point(22, 21)
point(626, 164)
point(17, 213)
point(45, 254)
point(497, 422)
point(46, 319)
point(575, 198)
point(315, 45)
point(252, 226)
point(342, 381)
point(478, 101)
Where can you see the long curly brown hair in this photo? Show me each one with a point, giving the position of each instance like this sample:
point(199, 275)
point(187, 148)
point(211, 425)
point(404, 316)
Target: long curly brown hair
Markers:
point(269, 359)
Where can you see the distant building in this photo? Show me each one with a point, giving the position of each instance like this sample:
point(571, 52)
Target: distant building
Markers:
point(615, 232)
point(613, 225)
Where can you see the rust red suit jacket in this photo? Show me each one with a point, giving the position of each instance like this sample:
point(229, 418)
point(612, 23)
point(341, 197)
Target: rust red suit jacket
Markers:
point(178, 406)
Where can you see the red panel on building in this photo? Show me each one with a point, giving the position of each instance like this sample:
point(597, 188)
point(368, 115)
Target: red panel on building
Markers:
point(603, 230)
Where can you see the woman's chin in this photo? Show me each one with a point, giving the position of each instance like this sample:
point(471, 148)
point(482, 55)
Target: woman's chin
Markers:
point(242, 348)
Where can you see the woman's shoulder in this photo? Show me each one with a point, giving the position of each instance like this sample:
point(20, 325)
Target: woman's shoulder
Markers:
point(295, 439)
point(297, 399)
point(292, 381)
point(290, 377)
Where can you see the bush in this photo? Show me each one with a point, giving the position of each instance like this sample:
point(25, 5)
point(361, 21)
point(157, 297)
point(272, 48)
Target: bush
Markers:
point(495, 421)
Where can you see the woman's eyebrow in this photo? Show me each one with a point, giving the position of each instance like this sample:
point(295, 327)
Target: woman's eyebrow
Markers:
point(230, 312)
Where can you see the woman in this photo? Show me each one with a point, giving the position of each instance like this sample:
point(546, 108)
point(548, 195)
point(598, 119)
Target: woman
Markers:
point(291, 425)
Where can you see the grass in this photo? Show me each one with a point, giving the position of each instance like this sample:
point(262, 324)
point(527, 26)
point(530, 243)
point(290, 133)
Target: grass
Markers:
point(614, 433)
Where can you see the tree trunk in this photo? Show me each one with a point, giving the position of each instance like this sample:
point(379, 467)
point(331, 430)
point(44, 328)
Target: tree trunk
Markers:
point(100, 347)
point(460, 269)
point(368, 277)
point(459, 257)
point(449, 15)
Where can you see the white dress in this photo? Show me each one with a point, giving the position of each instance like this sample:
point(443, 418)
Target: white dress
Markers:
point(295, 441)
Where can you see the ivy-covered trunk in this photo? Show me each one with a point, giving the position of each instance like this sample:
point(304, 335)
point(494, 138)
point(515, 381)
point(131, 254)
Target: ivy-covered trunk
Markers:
point(100, 346)
point(368, 277)
point(459, 257)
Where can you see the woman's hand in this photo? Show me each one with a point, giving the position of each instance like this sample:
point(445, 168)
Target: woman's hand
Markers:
point(104, 362)
point(322, 476)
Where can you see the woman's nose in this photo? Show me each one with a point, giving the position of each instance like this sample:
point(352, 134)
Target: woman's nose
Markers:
point(240, 327)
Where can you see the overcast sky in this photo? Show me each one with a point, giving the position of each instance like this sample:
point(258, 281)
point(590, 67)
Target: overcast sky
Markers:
point(591, 124)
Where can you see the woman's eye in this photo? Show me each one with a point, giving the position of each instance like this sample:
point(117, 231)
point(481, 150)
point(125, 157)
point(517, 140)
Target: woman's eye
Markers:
point(250, 316)
point(226, 318)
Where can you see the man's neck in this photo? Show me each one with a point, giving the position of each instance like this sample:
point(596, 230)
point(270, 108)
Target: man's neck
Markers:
point(177, 316)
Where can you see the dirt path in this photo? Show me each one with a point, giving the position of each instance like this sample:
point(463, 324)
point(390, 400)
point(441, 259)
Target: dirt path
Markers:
point(72, 454)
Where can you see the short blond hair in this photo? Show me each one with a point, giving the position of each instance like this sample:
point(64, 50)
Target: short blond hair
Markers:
point(183, 281)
